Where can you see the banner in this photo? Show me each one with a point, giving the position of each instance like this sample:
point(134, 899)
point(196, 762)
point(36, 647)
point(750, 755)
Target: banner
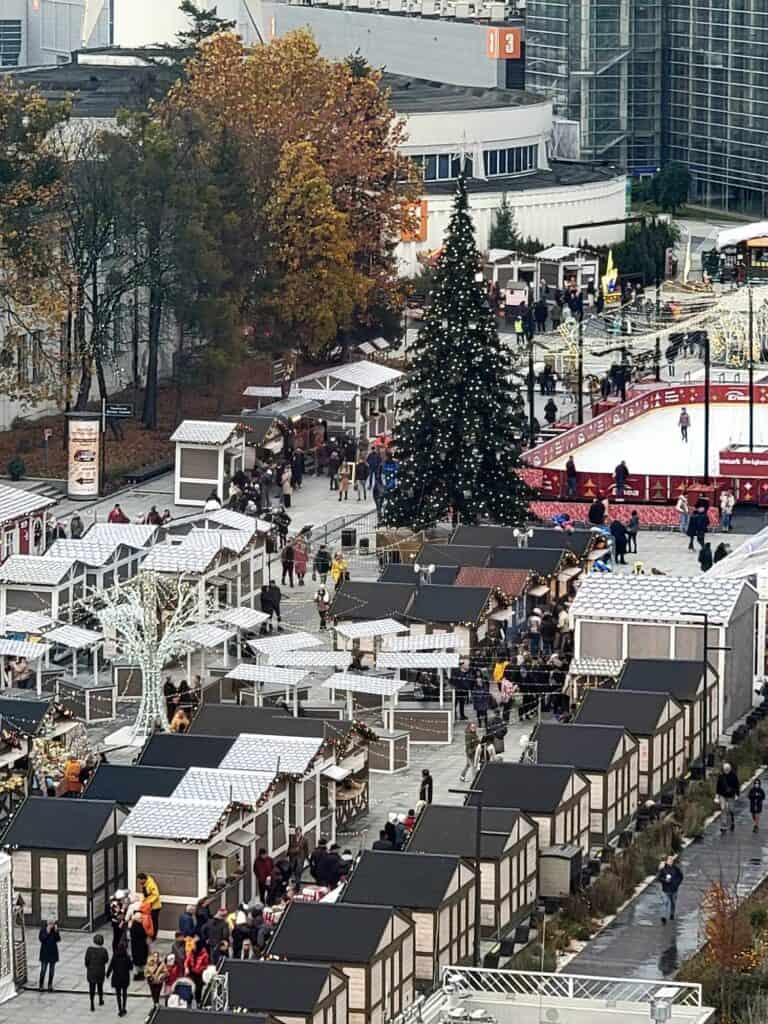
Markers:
point(84, 457)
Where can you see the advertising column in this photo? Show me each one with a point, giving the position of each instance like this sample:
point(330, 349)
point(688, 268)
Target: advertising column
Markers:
point(84, 455)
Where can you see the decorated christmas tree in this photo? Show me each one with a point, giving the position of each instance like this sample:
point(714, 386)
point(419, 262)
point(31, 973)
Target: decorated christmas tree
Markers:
point(457, 435)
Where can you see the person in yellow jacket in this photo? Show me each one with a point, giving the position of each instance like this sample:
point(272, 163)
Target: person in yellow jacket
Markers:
point(148, 886)
point(339, 569)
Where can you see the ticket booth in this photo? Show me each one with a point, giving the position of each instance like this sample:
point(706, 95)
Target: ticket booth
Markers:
point(208, 454)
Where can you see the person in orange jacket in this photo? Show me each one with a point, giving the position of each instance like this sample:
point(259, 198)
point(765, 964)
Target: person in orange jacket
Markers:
point(196, 962)
point(145, 909)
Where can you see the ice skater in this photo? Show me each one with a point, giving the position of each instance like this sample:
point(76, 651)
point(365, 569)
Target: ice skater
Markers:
point(684, 422)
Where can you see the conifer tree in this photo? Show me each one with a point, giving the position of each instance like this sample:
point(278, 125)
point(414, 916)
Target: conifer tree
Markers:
point(457, 438)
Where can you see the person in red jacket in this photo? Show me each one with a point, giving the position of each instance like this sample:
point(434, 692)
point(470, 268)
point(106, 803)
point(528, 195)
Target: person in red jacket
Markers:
point(117, 516)
point(196, 962)
point(262, 868)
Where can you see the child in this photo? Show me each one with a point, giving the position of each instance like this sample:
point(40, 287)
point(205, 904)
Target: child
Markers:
point(756, 797)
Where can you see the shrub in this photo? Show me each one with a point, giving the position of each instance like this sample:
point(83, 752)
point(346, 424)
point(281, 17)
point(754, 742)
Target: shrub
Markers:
point(693, 819)
point(16, 468)
point(576, 910)
point(606, 895)
point(759, 918)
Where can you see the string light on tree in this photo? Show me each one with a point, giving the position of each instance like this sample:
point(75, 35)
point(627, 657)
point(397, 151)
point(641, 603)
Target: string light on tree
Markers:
point(457, 437)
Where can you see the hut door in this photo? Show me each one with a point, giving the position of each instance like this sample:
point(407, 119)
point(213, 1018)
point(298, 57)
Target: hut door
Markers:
point(24, 537)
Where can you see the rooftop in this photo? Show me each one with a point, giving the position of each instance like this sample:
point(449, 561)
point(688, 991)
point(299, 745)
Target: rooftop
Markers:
point(534, 788)
point(681, 679)
point(37, 569)
point(422, 96)
point(656, 598)
point(334, 933)
point(560, 174)
point(214, 784)
point(413, 881)
point(127, 783)
point(15, 503)
point(275, 986)
point(24, 714)
point(169, 817)
point(269, 753)
point(639, 711)
point(183, 751)
point(590, 748)
point(446, 828)
point(44, 824)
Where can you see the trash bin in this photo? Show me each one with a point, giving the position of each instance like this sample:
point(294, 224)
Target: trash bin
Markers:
point(348, 538)
point(365, 545)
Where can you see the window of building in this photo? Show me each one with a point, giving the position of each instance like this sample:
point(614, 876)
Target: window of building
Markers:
point(513, 160)
point(37, 356)
point(10, 43)
point(443, 166)
point(22, 360)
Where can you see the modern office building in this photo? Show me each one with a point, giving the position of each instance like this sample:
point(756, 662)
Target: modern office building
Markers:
point(716, 100)
point(36, 32)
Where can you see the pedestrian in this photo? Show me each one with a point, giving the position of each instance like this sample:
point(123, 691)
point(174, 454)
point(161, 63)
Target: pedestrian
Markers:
point(727, 790)
point(96, 960)
point(534, 632)
point(481, 699)
point(76, 527)
point(697, 527)
point(298, 853)
point(275, 597)
point(119, 971)
point(334, 462)
point(570, 477)
point(188, 922)
point(344, 482)
point(540, 312)
point(619, 534)
point(427, 786)
point(727, 505)
point(548, 631)
point(633, 528)
point(705, 557)
point(620, 475)
point(300, 559)
point(383, 843)
point(462, 685)
point(721, 551)
point(147, 885)
point(281, 521)
point(265, 599)
point(322, 564)
point(286, 486)
point(684, 422)
point(153, 517)
point(339, 569)
point(263, 867)
point(287, 560)
point(139, 946)
point(297, 467)
point(756, 797)
point(509, 693)
point(361, 479)
point(156, 973)
point(196, 962)
point(670, 876)
point(49, 952)
point(374, 465)
point(471, 743)
point(596, 514)
point(212, 502)
point(117, 515)
point(683, 513)
point(550, 411)
point(323, 603)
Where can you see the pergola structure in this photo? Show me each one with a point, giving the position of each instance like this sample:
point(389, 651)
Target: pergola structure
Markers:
point(439, 660)
point(260, 675)
point(311, 659)
point(351, 683)
point(298, 641)
point(77, 639)
point(422, 642)
point(207, 637)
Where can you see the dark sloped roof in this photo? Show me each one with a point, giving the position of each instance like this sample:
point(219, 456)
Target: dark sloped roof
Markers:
point(25, 715)
point(45, 824)
point(587, 747)
point(533, 788)
point(452, 605)
point(330, 932)
point(372, 600)
point(402, 572)
point(169, 1015)
point(543, 560)
point(681, 679)
point(125, 783)
point(503, 537)
point(453, 554)
point(638, 711)
point(274, 986)
point(416, 882)
point(446, 828)
point(173, 751)
point(422, 96)
point(232, 720)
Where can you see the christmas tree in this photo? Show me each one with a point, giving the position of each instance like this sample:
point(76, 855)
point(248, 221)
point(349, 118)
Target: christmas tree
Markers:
point(458, 430)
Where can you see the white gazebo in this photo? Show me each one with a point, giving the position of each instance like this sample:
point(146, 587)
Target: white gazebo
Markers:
point(207, 637)
point(351, 683)
point(76, 639)
point(260, 675)
point(420, 660)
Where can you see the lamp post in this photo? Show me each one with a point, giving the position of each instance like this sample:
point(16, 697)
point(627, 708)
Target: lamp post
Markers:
point(707, 367)
point(706, 649)
point(531, 416)
point(751, 366)
point(580, 375)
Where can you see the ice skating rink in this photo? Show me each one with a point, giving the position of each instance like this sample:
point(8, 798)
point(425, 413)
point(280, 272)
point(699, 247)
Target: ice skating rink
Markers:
point(651, 443)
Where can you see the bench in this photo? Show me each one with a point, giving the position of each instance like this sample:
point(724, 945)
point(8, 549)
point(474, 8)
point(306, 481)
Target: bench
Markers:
point(144, 473)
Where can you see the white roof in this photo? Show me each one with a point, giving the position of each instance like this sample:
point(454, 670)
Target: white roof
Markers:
point(203, 634)
point(215, 785)
point(74, 637)
point(363, 683)
point(175, 558)
point(242, 618)
point(656, 598)
point(286, 642)
point(204, 432)
point(362, 374)
point(418, 659)
point(232, 520)
point(554, 252)
point(748, 559)
point(266, 674)
point(264, 753)
point(35, 569)
point(256, 391)
point(217, 540)
point(15, 503)
point(742, 233)
point(132, 535)
point(93, 553)
point(596, 667)
point(374, 627)
point(25, 622)
point(166, 817)
point(311, 659)
point(22, 649)
point(422, 642)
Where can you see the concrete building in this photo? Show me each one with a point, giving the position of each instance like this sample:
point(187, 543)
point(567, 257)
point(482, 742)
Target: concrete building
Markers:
point(34, 32)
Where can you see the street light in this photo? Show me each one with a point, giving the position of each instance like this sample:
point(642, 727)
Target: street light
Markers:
point(706, 648)
point(424, 572)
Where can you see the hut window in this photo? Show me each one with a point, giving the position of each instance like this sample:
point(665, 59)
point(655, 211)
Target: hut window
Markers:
point(601, 640)
point(689, 642)
point(175, 870)
point(648, 641)
point(199, 464)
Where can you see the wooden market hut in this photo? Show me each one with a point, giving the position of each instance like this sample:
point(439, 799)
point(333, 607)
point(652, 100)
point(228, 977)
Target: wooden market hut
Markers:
point(580, 542)
point(373, 946)
point(23, 518)
point(656, 721)
point(23, 721)
point(608, 757)
point(438, 890)
point(127, 783)
point(683, 680)
point(68, 859)
point(286, 993)
point(508, 859)
point(37, 583)
point(555, 797)
point(208, 454)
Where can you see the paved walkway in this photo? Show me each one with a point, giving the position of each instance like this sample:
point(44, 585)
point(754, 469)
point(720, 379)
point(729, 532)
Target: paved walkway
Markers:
point(637, 945)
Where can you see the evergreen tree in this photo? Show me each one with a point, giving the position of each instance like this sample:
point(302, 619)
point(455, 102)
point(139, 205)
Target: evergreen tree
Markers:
point(203, 23)
point(503, 234)
point(458, 430)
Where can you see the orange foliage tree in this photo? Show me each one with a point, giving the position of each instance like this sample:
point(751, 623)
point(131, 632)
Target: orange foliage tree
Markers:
point(729, 936)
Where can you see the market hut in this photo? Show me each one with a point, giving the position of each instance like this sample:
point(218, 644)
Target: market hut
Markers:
point(366, 392)
point(23, 519)
point(127, 783)
point(208, 454)
point(508, 857)
point(555, 797)
point(134, 538)
point(37, 583)
point(608, 757)
point(461, 610)
point(358, 601)
point(248, 683)
point(68, 859)
point(580, 542)
point(373, 946)
point(438, 892)
point(656, 721)
point(683, 680)
point(107, 560)
point(367, 635)
point(90, 695)
point(285, 993)
point(172, 750)
point(22, 722)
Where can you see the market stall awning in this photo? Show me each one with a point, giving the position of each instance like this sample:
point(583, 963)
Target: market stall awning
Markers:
point(22, 649)
point(422, 642)
point(248, 673)
point(26, 622)
point(287, 642)
point(595, 667)
point(203, 634)
point(418, 659)
point(242, 618)
point(207, 432)
point(372, 628)
point(258, 752)
point(216, 784)
point(538, 591)
point(336, 773)
point(74, 637)
point(168, 817)
point(354, 683)
point(311, 659)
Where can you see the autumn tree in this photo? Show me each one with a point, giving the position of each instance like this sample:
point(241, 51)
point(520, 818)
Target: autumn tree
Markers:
point(729, 937)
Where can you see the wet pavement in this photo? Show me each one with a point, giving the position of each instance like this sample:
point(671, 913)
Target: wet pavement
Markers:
point(637, 945)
